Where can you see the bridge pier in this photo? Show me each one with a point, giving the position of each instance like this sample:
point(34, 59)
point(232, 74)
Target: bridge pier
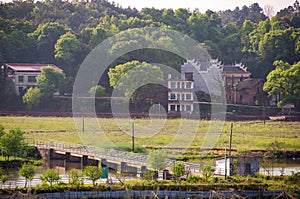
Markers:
point(84, 161)
point(46, 156)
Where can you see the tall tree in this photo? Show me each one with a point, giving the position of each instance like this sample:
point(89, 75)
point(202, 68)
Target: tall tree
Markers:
point(158, 160)
point(27, 171)
point(93, 173)
point(67, 49)
point(12, 143)
point(50, 176)
point(130, 76)
point(207, 171)
point(46, 36)
point(50, 80)
point(284, 80)
point(32, 97)
point(178, 170)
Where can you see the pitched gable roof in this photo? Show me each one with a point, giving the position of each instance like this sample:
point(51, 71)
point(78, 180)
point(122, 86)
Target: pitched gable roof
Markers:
point(248, 83)
point(30, 67)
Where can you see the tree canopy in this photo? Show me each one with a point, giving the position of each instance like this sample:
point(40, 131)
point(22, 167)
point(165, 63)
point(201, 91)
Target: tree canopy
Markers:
point(12, 143)
point(130, 76)
point(284, 81)
point(64, 32)
point(50, 81)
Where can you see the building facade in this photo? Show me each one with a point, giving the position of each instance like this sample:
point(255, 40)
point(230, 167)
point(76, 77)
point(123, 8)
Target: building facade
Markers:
point(238, 166)
point(250, 92)
point(180, 94)
point(24, 75)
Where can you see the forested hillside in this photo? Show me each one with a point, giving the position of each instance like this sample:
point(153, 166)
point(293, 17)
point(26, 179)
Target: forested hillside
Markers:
point(63, 33)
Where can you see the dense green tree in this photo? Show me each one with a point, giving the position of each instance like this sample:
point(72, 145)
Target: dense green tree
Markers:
point(67, 48)
point(12, 143)
point(46, 36)
point(1, 130)
point(278, 45)
point(32, 97)
point(50, 176)
point(178, 170)
point(98, 91)
point(75, 177)
point(3, 178)
point(284, 81)
point(158, 160)
point(50, 80)
point(27, 171)
point(207, 171)
point(93, 173)
point(130, 76)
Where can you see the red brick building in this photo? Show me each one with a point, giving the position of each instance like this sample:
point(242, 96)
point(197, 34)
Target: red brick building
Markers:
point(249, 91)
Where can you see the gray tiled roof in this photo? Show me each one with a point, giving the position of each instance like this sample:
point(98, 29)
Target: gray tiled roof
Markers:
point(248, 83)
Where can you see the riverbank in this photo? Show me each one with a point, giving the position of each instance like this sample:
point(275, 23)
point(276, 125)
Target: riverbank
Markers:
point(250, 187)
point(163, 194)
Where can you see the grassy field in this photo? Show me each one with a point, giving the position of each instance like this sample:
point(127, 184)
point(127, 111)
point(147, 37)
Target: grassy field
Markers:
point(246, 135)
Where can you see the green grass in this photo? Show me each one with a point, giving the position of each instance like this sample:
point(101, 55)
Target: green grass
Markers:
point(246, 135)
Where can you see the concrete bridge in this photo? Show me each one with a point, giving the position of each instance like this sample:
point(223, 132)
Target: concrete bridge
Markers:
point(120, 161)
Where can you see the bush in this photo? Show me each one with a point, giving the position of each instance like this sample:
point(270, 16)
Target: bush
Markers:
point(215, 179)
point(194, 179)
point(137, 148)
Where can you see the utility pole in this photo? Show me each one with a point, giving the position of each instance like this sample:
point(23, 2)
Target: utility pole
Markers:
point(225, 174)
point(133, 136)
point(230, 141)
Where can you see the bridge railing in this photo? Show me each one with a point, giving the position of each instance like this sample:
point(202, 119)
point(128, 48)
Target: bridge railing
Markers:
point(109, 154)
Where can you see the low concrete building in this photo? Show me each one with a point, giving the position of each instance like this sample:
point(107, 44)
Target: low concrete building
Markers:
point(238, 166)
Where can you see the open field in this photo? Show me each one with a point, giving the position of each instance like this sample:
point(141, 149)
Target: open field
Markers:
point(246, 135)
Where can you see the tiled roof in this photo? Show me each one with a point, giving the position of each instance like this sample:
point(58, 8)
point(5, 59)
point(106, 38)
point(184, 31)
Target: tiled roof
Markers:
point(248, 83)
point(233, 69)
point(30, 67)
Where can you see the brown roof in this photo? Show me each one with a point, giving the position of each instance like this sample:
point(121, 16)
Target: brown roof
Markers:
point(248, 83)
point(30, 67)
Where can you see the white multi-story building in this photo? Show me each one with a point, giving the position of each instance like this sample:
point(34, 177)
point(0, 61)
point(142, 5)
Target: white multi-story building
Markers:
point(180, 94)
point(24, 75)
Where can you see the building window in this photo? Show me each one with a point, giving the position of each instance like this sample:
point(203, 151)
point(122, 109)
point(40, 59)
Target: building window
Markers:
point(188, 85)
point(173, 84)
point(241, 97)
point(182, 97)
point(188, 76)
point(172, 96)
point(188, 96)
point(178, 96)
point(21, 79)
point(182, 85)
point(31, 79)
point(188, 107)
point(178, 85)
point(172, 107)
point(21, 90)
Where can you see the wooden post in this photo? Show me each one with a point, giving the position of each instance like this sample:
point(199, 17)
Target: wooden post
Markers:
point(230, 141)
point(133, 136)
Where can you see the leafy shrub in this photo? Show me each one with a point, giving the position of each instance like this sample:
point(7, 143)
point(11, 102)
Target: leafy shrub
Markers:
point(194, 179)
